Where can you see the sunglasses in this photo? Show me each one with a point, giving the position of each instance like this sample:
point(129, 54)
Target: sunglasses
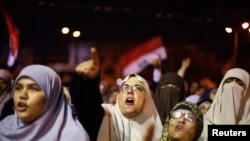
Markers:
point(187, 116)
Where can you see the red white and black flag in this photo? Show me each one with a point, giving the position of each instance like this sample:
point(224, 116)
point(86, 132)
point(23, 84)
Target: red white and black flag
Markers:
point(142, 55)
point(14, 40)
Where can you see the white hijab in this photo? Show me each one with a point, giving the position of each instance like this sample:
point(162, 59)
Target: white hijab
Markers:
point(231, 104)
point(116, 127)
point(6, 95)
point(56, 122)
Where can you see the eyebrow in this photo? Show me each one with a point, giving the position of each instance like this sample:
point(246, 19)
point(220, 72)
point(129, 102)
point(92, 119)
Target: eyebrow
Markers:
point(28, 84)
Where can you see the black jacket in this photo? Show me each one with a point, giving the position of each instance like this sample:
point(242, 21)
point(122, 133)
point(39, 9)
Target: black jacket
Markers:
point(87, 100)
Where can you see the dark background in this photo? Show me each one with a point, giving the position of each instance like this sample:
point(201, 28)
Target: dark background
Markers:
point(188, 28)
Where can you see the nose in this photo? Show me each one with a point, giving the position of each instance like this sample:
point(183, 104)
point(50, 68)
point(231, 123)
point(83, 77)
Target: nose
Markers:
point(182, 119)
point(130, 90)
point(23, 94)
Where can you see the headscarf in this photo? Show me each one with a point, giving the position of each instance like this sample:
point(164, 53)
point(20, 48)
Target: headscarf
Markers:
point(55, 123)
point(6, 95)
point(231, 104)
point(116, 127)
point(187, 106)
point(165, 97)
point(207, 93)
point(204, 101)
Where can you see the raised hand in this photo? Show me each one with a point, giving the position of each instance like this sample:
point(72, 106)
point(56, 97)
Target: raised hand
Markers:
point(184, 65)
point(186, 62)
point(89, 68)
point(149, 133)
point(157, 62)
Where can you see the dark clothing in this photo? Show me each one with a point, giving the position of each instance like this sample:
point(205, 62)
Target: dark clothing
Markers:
point(169, 91)
point(87, 100)
point(8, 109)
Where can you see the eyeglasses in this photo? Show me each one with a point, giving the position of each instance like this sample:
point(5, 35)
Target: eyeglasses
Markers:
point(126, 87)
point(188, 116)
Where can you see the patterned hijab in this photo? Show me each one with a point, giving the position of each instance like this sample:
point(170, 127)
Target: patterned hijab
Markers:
point(116, 127)
point(231, 104)
point(194, 109)
point(5, 95)
point(169, 91)
point(56, 122)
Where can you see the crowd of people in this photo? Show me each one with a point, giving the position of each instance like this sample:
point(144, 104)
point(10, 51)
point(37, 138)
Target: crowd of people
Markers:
point(36, 105)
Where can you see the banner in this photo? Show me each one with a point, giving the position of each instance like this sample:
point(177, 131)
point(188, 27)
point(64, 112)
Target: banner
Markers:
point(142, 55)
point(13, 37)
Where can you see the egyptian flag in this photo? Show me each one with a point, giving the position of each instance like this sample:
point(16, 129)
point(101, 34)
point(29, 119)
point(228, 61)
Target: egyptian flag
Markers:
point(142, 55)
point(13, 37)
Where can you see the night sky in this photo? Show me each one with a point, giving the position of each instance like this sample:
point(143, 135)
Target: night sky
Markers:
point(178, 22)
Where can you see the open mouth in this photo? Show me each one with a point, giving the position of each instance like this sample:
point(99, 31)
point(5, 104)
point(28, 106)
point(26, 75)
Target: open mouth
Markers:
point(178, 127)
point(129, 101)
point(21, 107)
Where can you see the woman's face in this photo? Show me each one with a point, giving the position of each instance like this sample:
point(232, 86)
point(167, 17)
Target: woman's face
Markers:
point(182, 127)
point(212, 93)
point(29, 99)
point(3, 85)
point(131, 97)
point(204, 107)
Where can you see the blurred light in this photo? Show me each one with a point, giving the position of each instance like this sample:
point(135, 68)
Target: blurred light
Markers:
point(126, 10)
point(118, 81)
point(209, 20)
point(76, 34)
point(52, 4)
point(65, 30)
point(169, 16)
point(245, 25)
point(108, 9)
point(228, 29)
point(40, 3)
point(96, 8)
point(158, 15)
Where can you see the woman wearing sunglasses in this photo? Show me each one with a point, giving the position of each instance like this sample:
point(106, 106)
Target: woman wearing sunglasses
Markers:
point(184, 123)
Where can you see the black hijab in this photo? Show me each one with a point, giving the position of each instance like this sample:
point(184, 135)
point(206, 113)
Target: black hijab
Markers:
point(169, 91)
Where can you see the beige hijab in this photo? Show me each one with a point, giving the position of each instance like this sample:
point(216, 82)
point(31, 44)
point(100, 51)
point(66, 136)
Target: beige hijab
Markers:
point(231, 104)
point(116, 127)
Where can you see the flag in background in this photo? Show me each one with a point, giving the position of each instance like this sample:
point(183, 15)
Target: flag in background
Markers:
point(142, 55)
point(228, 65)
point(13, 37)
